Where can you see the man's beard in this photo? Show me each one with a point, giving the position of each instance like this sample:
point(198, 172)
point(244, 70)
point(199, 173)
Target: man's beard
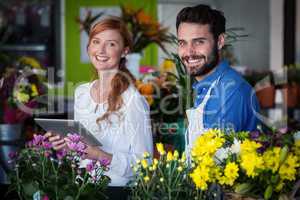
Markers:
point(211, 61)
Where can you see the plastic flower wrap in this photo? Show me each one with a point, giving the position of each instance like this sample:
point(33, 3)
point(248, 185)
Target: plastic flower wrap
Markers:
point(241, 164)
point(22, 89)
point(40, 171)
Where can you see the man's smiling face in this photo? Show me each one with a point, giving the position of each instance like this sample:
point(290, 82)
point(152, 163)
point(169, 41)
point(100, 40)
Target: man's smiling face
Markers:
point(197, 48)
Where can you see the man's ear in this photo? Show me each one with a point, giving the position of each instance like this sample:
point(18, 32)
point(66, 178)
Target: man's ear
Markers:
point(221, 41)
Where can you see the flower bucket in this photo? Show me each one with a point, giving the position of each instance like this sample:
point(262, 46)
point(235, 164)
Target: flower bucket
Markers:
point(266, 96)
point(291, 95)
point(10, 142)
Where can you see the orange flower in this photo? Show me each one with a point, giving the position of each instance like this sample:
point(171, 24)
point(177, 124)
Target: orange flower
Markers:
point(146, 89)
point(143, 18)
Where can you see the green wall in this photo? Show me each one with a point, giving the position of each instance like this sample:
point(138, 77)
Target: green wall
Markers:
point(77, 72)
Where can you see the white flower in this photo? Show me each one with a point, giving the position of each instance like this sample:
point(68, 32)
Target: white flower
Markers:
point(236, 147)
point(221, 155)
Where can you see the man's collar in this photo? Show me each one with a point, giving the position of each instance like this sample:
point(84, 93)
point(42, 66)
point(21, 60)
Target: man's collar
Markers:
point(220, 68)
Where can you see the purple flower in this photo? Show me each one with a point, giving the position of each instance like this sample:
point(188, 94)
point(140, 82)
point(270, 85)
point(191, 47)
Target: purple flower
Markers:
point(254, 134)
point(60, 154)
point(47, 145)
point(264, 146)
point(104, 162)
point(283, 130)
point(90, 166)
point(38, 140)
point(77, 147)
point(12, 155)
point(74, 137)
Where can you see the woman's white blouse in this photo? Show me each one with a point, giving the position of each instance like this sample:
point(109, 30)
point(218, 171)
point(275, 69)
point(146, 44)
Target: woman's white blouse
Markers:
point(126, 137)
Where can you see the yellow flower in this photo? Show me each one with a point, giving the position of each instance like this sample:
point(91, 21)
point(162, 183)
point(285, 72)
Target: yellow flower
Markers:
point(135, 169)
point(249, 146)
point(176, 155)
point(161, 179)
point(279, 186)
point(154, 167)
point(168, 66)
point(34, 90)
point(155, 161)
point(30, 61)
point(200, 177)
point(146, 179)
point(231, 173)
point(288, 169)
point(251, 162)
point(183, 158)
point(146, 155)
point(22, 97)
point(160, 148)
point(271, 159)
point(169, 156)
point(179, 169)
point(144, 163)
point(296, 148)
point(207, 144)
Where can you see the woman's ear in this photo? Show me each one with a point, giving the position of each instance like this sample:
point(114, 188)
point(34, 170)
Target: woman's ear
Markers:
point(221, 41)
point(125, 52)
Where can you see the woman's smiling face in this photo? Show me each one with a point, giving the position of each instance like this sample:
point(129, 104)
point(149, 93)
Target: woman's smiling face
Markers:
point(105, 50)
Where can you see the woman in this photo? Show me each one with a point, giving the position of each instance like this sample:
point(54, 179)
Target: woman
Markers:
point(110, 107)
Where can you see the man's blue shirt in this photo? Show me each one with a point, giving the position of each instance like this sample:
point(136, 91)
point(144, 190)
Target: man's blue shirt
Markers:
point(232, 104)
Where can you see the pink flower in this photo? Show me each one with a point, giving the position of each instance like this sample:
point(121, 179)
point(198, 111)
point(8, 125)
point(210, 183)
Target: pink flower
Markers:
point(45, 197)
point(146, 69)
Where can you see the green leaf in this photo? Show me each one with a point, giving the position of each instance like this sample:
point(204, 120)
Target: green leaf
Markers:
point(68, 198)
point(30, 188)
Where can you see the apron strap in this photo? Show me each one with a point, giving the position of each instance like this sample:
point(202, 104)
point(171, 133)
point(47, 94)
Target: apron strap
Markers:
point(207, 96)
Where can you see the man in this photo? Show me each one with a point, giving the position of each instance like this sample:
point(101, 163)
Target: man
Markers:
point(224, 99)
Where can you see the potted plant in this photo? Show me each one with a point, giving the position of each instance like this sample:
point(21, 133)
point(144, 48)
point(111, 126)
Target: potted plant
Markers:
point(145, 31)
point(43, 173)
point(263, 83)
point(291, 90)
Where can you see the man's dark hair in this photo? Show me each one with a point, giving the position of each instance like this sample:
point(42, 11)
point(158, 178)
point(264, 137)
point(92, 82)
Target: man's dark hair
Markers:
point(203, 14)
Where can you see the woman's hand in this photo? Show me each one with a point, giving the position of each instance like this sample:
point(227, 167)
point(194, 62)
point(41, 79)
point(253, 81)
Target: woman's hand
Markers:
point(57, 142)
point(95, 153)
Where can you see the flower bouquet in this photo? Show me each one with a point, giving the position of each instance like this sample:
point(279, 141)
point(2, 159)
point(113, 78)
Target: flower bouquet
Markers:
point(21, 89)
point(247, 164)
point(42, 173)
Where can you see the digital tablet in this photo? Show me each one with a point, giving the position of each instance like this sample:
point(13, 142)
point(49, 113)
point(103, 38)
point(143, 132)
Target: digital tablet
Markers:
point(66, 126)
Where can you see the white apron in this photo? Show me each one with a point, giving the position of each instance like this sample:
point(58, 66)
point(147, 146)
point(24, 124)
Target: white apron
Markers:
point(196, 122)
